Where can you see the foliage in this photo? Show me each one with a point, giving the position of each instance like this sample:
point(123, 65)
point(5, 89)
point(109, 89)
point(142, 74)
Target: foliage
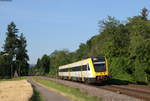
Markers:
point(58, 58)
point(36, 95)
point(4, 67)
point(120, 69)
point(14, 58)
point(42, 67)
point(22, 56)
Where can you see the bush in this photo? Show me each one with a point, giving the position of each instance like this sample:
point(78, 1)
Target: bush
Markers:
point(119, 67)
point(139, 73)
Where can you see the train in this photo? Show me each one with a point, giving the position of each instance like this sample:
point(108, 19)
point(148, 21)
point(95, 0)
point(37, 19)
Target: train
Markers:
point(89, 70)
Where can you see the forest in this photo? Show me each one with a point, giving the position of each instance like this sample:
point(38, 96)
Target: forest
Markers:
point(126, 45)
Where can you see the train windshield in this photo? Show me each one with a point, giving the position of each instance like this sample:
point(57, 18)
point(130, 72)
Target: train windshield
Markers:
point(100, 67)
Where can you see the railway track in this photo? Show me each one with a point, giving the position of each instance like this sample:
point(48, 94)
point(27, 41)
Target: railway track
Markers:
point(137, 91)
point(134, 91)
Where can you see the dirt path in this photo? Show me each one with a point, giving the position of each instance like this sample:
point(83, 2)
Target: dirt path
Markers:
point(47, 94)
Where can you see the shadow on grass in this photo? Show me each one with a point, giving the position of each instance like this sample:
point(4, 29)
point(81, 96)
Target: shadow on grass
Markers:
point(36, 95)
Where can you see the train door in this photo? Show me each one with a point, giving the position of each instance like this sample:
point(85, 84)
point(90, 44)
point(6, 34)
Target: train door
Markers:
point(87, 70)
point(82, 73)
point(69, 73)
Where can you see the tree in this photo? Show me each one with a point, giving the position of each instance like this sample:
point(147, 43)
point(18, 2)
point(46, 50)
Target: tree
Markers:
point(139, 47)
point(10, 45)
point(59, 58)
point(4, 67)
point(42, 66)
point(81, 52)
point(45, 62)
point(109, 23)
point(14, 56)
point(22, 56)
point(144, 14)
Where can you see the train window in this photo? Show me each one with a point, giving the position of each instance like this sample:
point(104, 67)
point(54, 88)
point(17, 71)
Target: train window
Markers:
point(60, 70)
point(78, 68)
point(70, 69)
point(98, 59)
point(100, 67)
point(63, 70)
point(85, 67)
point(73, 69)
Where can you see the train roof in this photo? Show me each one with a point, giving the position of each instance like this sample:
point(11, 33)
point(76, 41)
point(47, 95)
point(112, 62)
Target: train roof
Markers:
point(83, 61)
point(74, 63)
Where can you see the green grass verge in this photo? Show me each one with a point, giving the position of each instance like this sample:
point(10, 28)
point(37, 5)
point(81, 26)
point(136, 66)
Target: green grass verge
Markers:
point(17, 78)
point(36, 95)
point(73, 93)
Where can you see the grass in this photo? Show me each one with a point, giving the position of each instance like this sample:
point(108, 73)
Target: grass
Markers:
point(73, 93)
point(17, 78)
point(36, 95)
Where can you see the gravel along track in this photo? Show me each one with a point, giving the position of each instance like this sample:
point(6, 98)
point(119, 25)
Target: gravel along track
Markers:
point(140, 87)
point(106, 95)
point(138, 93)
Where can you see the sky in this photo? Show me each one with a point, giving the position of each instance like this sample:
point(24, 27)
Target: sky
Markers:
point(50, 25)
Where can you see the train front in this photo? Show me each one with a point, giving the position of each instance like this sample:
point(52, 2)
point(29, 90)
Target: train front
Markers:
point(101, 68)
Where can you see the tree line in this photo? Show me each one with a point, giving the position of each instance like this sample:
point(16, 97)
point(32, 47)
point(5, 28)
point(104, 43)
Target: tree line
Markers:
point(125, 44)
point(14, 57)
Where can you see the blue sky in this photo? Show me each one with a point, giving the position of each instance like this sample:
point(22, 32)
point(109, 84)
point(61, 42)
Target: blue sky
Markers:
point(61, 24)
